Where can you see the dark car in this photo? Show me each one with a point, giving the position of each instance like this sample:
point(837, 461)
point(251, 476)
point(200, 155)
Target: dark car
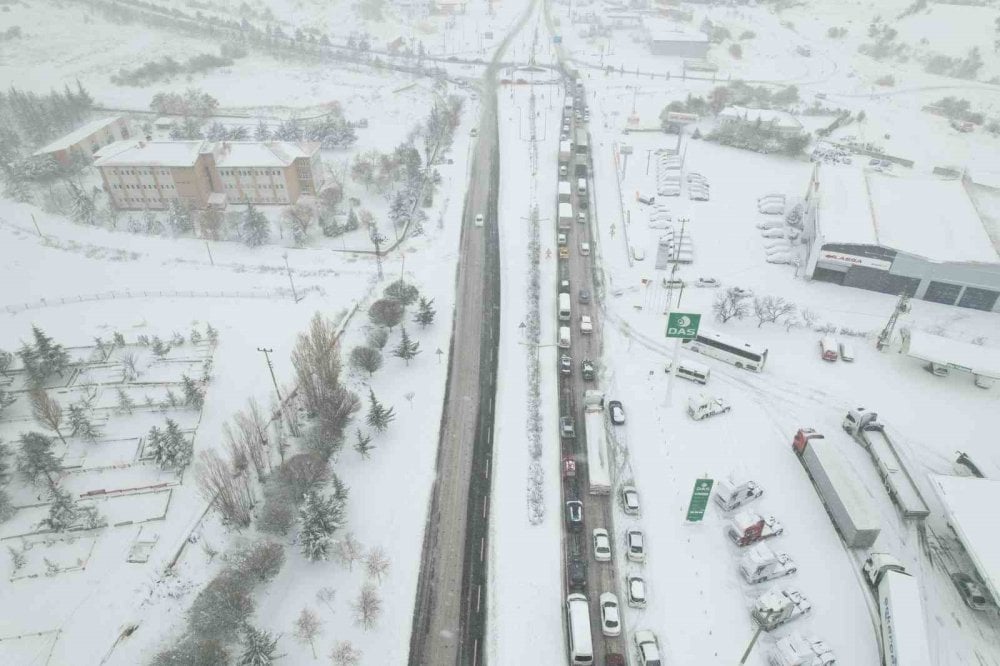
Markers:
point(614, 659)
point(574, 514)
point(584, 296)
point(577, 572)
point(617, 412)
point(972, 592)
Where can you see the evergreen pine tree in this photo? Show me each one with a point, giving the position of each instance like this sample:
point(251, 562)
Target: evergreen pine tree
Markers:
point(256, 230)
point(62, 512)
point(425, 315)
point(259, 647)
point(407, 347)
point(170, 447)
point(84, 208)
point(81, 424)
point(211, 334)
point(125, 402)
point(364, 444)
point(378, 416)
point(352, 221)
point(179, 218)
point(194, 394)
point(321, 516)
point(36, 459)
point(6, 399)
point(44, 357)
point(158, 347)
point(261, 132)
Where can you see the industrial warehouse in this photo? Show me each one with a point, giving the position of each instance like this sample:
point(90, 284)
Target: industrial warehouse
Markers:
point(922, 236)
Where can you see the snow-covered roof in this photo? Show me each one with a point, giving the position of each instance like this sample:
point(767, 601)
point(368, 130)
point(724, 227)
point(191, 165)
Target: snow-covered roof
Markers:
point(978, 359)
point(257, 154)
point(77, 135)
point(662, 30)
point(744, 520)
point(929, 217)
point(149, 153)
point(969, 504)
point(770, 116)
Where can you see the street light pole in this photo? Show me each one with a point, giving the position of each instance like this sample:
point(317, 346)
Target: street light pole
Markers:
point(290, 281)
point(267, 357)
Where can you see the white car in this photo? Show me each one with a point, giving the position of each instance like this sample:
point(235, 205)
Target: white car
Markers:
point(617, 412)
point(602, 545)
point(636, 588)
point(586, 325)
point(561, 239)
point(585, 248)
point(773, 232)
point(647, 648)
point(611, 624)
point(581, 218)
point(479, 220)
point(779, 258)
point(636, 545)
point(630, 500)
point(706, 282)
point(846, 352)
point(698, 195)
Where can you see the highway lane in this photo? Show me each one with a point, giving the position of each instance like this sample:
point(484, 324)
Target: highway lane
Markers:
point(449, 612)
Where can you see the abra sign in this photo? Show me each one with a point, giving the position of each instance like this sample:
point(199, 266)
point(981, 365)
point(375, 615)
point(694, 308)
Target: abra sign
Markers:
point(841, 259)
point(682, 325)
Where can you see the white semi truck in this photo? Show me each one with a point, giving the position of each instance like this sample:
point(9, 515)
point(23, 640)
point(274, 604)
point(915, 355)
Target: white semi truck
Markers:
point(798, 650)
point(565, 191)
point(748, 527)
point(598, 464)
point(730, 494)
point(862, 424)
point(565, 215)
point(565, 151)
point(900, 610)
point(845, 499)
point(779, 606)
point(762, 564)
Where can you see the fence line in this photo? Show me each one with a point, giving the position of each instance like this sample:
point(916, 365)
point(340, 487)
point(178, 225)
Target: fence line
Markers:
point(114, 295)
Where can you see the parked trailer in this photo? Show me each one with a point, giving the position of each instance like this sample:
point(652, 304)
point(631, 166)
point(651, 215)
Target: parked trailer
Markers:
point(565, 191)
point(845, 501)
point(901, 612)
point(565, 151)
point(598, 465)
point(863, 425)
point(565, 215)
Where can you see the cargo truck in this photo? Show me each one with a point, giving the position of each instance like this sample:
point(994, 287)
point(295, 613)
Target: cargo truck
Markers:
point(565, 191)
point(845, 500)
point(748, 527)
point(761, 564)
point(598, 465)
point(779, 606)
point(901, 612)
point(731, 494)
point(565, 215)
point(798, 650)
point(565, 151)
point(862, 424)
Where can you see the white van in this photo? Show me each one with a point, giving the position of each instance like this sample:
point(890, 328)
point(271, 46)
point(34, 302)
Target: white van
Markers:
point(638, 253)
point(581, 185)
point(564, 305)
point(564, 337)
point(649, 200)
point(846, 352)
point(581, 648)
point(585, 248)
point(692, 371)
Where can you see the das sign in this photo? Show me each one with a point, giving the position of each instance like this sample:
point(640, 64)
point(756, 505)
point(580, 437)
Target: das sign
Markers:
point(682, 324)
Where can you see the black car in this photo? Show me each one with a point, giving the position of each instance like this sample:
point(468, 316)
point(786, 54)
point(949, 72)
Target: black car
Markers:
point(577, 572)
point(584, 296)
point(574, 514)
point(617, 412)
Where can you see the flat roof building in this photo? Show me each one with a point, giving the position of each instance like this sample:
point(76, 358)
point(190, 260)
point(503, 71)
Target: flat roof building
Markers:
point(84, 141)
point(920, 235)
point(149, 174)
point(674, 39)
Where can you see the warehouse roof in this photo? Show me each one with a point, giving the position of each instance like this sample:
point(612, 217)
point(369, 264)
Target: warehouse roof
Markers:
point(77, 135)
point(929, 217)
point(969, 505)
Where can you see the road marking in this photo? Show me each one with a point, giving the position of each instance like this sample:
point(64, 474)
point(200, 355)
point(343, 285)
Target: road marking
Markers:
point(475, 652)
point(487, 473)
point(482, 547)
point(486, 501)
point(479, 596)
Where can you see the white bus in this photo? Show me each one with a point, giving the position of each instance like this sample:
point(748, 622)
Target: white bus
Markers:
point(581, 649)
point(564, 304)
point(730, 350)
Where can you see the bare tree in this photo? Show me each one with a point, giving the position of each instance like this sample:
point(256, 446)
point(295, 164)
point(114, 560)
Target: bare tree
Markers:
point(229, 490)
point(307, 628)
point(248, 439)
point(377, 563)
point(47, 411)
point(771, 308)
point(316, 358)
point(326, 595)
point(809, 317)
point(367, 607)
point(348, 550)
point(345, 654)
point(730, 304)
point(129, 368)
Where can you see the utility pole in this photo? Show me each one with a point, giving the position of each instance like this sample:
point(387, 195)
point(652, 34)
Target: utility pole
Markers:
point(902, 307)
point(290, 281)
point(210, 259)
point(267, 357)
point(756, 635)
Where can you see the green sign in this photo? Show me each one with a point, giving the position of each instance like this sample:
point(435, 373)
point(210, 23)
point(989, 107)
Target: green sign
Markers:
point(682, 324)
point(699, 499)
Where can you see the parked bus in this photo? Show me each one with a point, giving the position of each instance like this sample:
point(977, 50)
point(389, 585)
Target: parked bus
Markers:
point(730, 350)
point(581, 649)
point(564, 313)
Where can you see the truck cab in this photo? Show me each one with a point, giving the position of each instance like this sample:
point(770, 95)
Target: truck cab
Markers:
point(730, 495)
point(877, 565)
point(748, 527)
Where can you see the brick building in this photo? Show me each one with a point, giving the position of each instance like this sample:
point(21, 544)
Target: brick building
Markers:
point(142, 175)
point(85, 141)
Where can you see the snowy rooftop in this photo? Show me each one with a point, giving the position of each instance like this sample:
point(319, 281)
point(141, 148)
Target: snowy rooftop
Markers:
point(77, 135)
point(969, 504)
point(980, 359)
point(662, 30)
point(778, 118)
point(257, 154)
point(924, 216)
point(149, 153)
